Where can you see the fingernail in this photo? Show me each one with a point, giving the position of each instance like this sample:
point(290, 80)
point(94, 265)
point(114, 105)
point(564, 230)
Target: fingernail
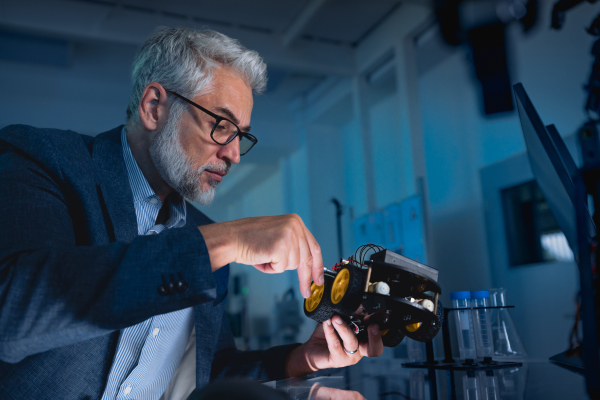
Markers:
point(375, 330)
point(338, 321)
point(328, 322)
point(321, 280)
point(307, 294)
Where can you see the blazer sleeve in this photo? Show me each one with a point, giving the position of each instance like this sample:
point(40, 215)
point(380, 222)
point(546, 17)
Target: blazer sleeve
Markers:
point(264, 365)
point(54, 293)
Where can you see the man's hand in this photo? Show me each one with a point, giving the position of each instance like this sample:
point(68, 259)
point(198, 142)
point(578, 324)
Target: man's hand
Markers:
point(271, 244)
point(324, 349)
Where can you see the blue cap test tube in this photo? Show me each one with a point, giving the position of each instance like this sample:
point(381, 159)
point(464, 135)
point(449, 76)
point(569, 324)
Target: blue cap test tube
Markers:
point(464, 324)
point(482, 323)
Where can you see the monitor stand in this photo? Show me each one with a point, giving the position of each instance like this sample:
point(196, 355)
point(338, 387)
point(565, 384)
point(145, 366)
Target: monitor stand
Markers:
point(571, 360)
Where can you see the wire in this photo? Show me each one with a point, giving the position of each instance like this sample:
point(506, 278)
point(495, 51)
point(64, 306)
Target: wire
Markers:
point(336, 266)
point(361, 253)
point(356, 329)
point(344, 262)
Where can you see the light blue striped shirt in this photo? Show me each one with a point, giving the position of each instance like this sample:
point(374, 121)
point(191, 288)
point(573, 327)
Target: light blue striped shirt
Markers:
point(149, 353)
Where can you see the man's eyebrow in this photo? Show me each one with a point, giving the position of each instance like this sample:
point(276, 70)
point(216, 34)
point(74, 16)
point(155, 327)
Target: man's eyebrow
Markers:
point(232, 117)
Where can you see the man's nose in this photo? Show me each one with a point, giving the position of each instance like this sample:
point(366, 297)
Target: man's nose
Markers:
point(231, 151)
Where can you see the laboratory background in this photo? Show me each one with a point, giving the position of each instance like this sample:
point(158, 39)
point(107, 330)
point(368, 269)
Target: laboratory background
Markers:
point(373, 129)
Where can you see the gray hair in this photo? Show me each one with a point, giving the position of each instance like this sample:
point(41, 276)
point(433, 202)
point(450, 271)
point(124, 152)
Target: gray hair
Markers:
point(183, 60)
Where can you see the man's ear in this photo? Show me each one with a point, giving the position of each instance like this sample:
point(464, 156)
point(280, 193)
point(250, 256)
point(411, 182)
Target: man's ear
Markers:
point(153, 106)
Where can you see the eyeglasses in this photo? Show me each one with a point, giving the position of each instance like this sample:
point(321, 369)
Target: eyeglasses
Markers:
point(224, 130)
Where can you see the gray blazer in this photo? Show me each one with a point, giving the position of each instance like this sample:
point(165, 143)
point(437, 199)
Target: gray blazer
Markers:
point(73, 271)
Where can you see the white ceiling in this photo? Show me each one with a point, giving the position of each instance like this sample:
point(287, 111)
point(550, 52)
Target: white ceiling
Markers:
point(303, 42)
point(298, 35)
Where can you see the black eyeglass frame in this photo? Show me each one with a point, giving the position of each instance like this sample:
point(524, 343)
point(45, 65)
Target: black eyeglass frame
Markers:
point(218, 119)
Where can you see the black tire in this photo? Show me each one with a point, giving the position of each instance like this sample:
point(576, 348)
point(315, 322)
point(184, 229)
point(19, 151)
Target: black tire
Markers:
point(390, 337)
point(428, 330)
point(354, 293)
point(393, 337)
point(324, 310)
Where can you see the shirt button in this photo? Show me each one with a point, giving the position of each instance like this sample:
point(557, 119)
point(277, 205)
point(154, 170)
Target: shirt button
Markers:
point(127, 390)
point(153, 200)
point(155, 332)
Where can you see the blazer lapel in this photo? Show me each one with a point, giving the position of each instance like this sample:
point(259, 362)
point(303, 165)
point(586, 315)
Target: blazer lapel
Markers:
point(114, 188)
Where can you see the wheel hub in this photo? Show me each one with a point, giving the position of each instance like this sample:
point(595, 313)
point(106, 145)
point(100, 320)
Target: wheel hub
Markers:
point(316, 293)
point(340, 285)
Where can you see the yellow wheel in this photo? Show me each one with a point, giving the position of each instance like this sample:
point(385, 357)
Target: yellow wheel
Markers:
point(392, 337)
point(318, 306)
point(426, 330)
point(340, 285)
point(316, 294)
point(413, 327)
point(347, 290)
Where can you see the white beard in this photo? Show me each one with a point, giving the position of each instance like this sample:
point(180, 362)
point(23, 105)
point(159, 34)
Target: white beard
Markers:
point(175, 167)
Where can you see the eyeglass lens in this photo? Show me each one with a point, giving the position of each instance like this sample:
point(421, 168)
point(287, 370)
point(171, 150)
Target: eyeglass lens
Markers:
point(225, 130)
point(245, 145)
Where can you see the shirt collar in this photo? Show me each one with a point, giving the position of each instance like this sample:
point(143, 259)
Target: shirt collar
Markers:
point(139, 185)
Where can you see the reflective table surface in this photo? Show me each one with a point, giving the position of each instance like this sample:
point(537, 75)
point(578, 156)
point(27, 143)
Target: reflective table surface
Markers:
point(388, 379)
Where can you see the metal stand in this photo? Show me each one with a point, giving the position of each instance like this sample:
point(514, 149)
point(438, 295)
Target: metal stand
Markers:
point(338, 217)
point(590, 351)
point(448, 363)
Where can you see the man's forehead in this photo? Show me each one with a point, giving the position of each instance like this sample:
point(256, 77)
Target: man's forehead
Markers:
point(228, 96)
point(227, 78)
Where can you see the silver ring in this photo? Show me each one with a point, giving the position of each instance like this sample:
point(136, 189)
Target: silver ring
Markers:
point(351, 352)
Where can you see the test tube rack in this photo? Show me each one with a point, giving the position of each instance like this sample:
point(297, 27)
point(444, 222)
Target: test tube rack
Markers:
point(448, 363)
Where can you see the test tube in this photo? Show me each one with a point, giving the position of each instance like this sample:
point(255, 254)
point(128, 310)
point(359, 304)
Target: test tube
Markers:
point(471, 389)
point(464, 324)
point(489, 385)
point(482, 323)
point(417, 385)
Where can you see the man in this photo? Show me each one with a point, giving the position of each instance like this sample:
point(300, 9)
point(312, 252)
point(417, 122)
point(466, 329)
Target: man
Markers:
point(108, 280)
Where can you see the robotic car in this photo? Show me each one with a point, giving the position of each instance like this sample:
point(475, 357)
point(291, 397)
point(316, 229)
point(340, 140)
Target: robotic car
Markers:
point(397, 293)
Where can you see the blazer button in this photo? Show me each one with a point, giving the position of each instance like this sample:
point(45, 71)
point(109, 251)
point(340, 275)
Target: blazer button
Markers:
point(182, 286)
point(163, 291)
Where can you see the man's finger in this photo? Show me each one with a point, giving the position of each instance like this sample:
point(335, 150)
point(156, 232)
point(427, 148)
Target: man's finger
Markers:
point(304, 254)
point(333, 342)
point(265, 268)
point(349, 339)
point(304, 278)
point(375, 348)
point(317, 258)
point(294, 256)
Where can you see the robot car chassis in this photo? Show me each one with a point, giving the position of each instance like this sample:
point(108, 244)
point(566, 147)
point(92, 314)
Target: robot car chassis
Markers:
point(397, 293)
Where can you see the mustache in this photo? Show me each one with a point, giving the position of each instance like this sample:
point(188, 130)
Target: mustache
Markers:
point(216, 167)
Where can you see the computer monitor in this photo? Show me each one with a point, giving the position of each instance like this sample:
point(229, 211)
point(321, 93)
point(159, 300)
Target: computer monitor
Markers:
point(555, 172)
point(553, 167)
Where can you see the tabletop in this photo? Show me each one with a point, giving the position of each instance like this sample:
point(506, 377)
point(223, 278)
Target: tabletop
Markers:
point(388, 379)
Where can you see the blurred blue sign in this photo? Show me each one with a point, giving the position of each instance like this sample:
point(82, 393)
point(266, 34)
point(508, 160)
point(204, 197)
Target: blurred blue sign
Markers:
point(369, 229)
point(412, 226)
point(399, 227)
point(392, 227)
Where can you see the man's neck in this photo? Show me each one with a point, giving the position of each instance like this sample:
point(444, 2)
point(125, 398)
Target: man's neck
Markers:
point(139, 143)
